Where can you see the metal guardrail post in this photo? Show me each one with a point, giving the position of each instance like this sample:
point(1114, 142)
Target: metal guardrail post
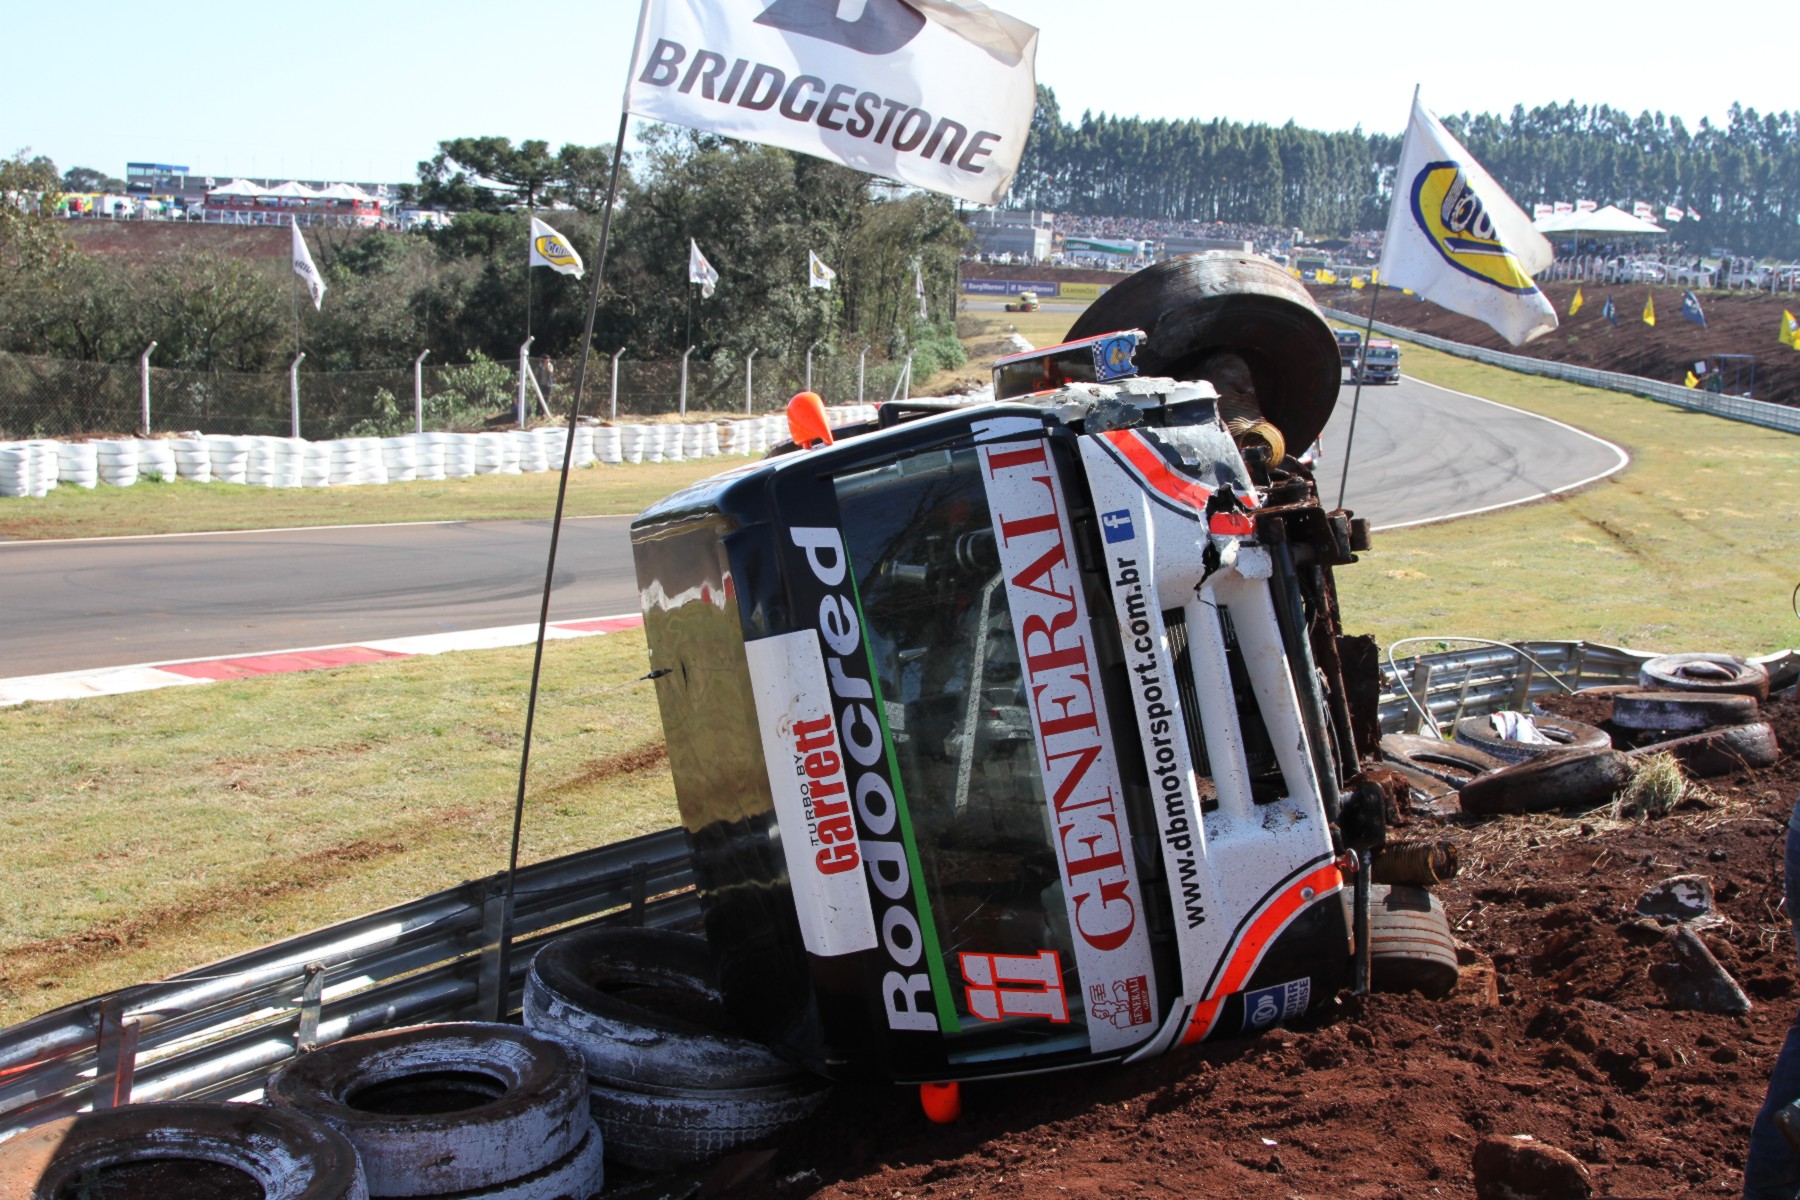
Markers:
point(144, 389)
point(1421, 690)
point(612, 413)
point(862, 362)
point(294, 395)
point(116, 1054)
point(524, 370)
point(312, 999)
point(749, 369)
point(490, 989)
point(684, 377)
point(1522, 689)
point(640, 886)
point(419, 391)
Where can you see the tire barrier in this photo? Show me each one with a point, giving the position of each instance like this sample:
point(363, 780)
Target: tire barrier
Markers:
point(460, 1109)
point(33, 468)
point(1411, 947)
point(1562, 734)
point(672, 1082)
point(1705, 673)
point(188, 1149)
point(1686, 712)
point(1564, 779)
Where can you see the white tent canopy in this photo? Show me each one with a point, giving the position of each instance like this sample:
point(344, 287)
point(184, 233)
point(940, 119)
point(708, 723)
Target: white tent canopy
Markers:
point(237, 187)
point(292, 190)
point(1610, 221)
point(343, 191)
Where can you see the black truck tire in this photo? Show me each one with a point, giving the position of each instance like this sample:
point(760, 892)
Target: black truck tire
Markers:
point(1222, 301)
point(1566, 779)
point(439, 1109)
point(1452, 762)
point(1411, 947)
point(1563, 733)
point(1705, 673)
point(1721, 751)
point(660, 1128)
point(643, 1006)
point(182, 1149)
point(1688, 712)
point(578, 1175)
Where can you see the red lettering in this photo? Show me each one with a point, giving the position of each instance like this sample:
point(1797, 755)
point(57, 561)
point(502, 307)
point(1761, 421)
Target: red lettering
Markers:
point(813, 735)
point(823, 763)
point(1084, 758)
point(1051, 658)
point(835, 860)
point(1109, 892)
point(1006, 460)
point(1046, 562)
point(1068, 722)
point(1113, 860)
point(837, 829)
point(818, 793)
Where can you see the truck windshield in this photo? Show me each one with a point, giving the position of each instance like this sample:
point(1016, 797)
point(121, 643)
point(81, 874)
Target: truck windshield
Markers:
point(934, 604)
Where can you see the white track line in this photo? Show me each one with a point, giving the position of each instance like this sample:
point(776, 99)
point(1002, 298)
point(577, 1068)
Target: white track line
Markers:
point(151, 537)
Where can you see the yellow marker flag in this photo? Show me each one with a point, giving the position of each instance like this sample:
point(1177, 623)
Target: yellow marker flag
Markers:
point(1649, 310)
point(1790, 330)
point(1356, 282)
point(1692, 380)
point(1375, 275)
point(1575, 304)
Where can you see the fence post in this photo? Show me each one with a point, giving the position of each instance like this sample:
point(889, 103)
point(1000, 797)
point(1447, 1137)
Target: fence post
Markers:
point(749, 367)
point(144, 387)
point(684, 358)
point(906, 374)
point(294, 395)
point(419, 391)
point(524, 366)
point(809, 351)
point(862, 361)
point(613, 412)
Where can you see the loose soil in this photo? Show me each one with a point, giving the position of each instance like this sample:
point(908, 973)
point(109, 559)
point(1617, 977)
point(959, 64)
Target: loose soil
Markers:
point(1387, 1096)
point(1736, 323)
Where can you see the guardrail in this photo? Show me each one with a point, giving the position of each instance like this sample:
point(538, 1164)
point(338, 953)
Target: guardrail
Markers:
point(1486, 678)
point(222, 1029)
point(1732, 408)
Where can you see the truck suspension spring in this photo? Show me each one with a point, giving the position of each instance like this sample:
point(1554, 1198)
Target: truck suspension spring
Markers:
point(1420, 863)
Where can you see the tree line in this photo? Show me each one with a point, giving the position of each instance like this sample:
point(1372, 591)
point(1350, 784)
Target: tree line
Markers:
point(1741, 177)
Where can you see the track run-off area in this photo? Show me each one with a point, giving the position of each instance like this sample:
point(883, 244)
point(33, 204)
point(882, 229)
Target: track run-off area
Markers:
point(1421, 453)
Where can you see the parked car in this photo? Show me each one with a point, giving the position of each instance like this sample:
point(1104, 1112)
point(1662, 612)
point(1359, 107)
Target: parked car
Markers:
point(1701, 276)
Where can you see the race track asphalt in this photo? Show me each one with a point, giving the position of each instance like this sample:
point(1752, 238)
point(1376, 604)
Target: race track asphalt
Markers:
point(1420, 453)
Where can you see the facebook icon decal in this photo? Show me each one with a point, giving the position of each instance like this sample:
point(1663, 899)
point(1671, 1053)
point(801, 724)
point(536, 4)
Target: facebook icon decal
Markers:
point(1117, 526)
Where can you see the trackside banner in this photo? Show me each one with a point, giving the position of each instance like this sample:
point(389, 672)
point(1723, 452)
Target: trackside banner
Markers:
point(935, 93)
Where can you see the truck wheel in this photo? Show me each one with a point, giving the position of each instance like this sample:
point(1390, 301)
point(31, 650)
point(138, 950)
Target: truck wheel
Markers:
point(440, 1109)
point(1410, 944)
point(1453, 763)
point(578, 1175)
point(1563, 733)
point(643, 1006)
point(152, 1151)
point(1565, 779)
point(1198, 305)
point(658, 1128)
point(1684, 711)
point(1705, 673)
point(1721, 751)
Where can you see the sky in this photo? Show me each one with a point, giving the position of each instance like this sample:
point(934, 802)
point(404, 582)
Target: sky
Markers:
point(363, 92)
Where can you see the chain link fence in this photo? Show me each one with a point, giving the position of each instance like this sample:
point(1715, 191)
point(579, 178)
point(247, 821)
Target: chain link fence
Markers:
point(61, 398)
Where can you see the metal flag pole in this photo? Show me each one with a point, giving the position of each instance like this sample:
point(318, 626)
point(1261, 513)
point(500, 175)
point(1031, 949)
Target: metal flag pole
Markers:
point(1356, 398)
point(562, 492)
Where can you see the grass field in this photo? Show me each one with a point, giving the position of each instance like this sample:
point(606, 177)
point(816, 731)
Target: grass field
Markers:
point(153, 832)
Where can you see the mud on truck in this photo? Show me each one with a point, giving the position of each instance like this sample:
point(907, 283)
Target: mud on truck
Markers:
point(1022, 735)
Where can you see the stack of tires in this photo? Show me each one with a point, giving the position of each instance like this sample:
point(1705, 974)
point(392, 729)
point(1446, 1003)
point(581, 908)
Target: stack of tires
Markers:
point(465, 1110)
point(672, 1083)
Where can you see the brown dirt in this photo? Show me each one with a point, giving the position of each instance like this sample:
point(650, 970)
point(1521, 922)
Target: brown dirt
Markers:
point(1736, 323)
point(1388, 1096)
point(599, 770)
point(141, 241)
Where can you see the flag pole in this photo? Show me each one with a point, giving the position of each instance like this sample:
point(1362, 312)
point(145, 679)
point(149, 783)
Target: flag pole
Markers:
point(562, 491)
point(1356, 398)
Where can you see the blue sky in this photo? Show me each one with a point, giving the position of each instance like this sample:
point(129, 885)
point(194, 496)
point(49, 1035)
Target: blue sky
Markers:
point(365, 91)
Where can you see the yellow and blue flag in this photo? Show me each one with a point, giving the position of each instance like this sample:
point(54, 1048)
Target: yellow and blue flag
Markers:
point(1790, 330)
point(1609, 312)
point(1690, 308)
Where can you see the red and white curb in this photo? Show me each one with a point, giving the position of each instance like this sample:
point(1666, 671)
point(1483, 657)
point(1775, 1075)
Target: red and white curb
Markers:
point(144, 677)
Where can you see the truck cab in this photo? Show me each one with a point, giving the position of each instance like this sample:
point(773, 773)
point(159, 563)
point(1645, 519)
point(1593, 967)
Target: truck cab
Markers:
point(1379, 362)
point(1010, 736)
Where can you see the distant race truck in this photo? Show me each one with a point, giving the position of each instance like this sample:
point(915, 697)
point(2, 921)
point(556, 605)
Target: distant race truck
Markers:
point(1019, 735)
point(1027, 302)
point(1378, 363)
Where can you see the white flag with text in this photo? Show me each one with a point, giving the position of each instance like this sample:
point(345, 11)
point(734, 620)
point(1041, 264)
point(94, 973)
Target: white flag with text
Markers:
point(550, 249)
point(303, 266)
point(817, 273)
point(1457, 239)
point(935, 93)
point(700, 271)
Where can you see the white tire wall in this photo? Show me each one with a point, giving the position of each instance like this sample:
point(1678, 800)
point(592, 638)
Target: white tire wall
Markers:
point(77, 464)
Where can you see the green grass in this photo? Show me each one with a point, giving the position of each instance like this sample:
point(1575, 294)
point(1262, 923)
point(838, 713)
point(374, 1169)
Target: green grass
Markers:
point(1691, 547)
point(178, 507)
point(149, 833)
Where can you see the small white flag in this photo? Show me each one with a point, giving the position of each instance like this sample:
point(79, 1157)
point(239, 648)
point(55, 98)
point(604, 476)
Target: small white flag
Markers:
point(817, 273)
point(303, 266)
point(935, 93)
point(700, 271)
point(549, 249)
point(1456, 238)
point(919, 288)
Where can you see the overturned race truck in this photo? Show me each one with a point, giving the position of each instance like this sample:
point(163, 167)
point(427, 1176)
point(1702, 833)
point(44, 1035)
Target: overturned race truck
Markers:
point(1019, 735)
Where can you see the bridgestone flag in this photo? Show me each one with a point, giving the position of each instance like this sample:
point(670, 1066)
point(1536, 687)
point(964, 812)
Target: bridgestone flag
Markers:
point(935, 93)
point(700, 271)
point(550, 249)
point(817, 273)
point(1458, 240)
point(303, 266)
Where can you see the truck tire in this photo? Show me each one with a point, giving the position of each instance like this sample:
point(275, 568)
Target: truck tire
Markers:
point(1705, 673)
point(1563, 733)
point(152, 1151)
point(643, 1006)
point(578, 1175)
point(1566, 779)
point(659, 1128)
point(440, 1109)
point(1220, 301)
point(1451, 762)
point(1410, 944)
point(1688, 712)
point(1721, 751)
